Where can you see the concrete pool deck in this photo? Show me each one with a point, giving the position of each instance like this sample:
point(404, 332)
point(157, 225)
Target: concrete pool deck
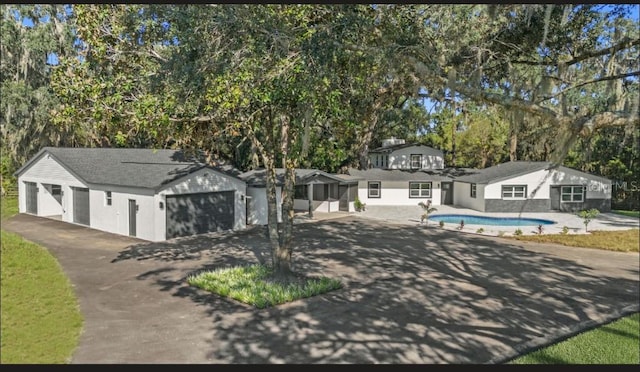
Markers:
point(411, 215)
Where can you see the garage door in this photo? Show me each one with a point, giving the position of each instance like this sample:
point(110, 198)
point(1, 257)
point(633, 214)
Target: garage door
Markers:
point(81, 206)
point(31, 194)
point(192, 214)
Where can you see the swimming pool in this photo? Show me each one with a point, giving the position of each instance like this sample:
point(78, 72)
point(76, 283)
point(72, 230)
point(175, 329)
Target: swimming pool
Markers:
point(492, 221)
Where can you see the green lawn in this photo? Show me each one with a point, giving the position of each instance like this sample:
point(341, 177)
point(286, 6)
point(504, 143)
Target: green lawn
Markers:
point(620, 240)
point(635, 214)
point(8, 207)
point(615, 343)
point(40, 321)
point(251, 285)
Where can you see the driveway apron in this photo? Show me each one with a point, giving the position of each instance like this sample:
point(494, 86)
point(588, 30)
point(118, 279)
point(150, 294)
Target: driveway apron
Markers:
point(411, 295)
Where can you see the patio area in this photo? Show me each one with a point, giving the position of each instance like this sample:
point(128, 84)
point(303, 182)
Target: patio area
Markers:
point(411, 215)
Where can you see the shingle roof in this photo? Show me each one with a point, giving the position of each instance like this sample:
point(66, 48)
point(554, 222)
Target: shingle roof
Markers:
point(379, 174)
point(146, 168)
point(504, 171)
point(257, 177)
point(512, 169)
point(391, 148)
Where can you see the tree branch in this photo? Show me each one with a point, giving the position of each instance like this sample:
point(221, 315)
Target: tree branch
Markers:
point(626, 43)
point(606, 78)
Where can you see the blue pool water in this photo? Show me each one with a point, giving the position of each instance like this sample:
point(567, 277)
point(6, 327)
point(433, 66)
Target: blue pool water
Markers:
point(493, 221)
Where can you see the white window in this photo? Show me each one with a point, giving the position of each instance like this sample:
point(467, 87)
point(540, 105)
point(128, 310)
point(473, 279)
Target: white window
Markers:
point(473, 190)
point(514, 192)
point(419, 189)
point(416, 161)
point(374, 189)
point(107, 197)
point(572, 194)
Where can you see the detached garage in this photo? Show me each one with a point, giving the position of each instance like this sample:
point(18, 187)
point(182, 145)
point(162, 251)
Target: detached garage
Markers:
point(150, 194)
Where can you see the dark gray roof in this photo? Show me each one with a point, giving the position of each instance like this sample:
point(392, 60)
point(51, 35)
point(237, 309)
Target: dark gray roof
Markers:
point(379, 174)
point(146, 168)
point(504, 171)
point(512, 169)
point(392, 148)
point(257, 177)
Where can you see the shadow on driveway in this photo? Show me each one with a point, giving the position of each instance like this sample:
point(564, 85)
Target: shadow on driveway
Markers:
point(412, 295)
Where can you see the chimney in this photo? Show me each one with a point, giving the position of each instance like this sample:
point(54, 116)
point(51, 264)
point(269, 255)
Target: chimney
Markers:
point(392, 141)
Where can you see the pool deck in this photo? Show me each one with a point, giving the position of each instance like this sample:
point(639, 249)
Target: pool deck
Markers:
point(411, 215)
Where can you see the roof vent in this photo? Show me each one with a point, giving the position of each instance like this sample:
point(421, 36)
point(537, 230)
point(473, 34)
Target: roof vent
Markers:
point(392, 142)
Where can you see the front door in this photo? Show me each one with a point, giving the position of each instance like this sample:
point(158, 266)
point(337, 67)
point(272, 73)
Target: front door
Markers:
point(447, 193)
point(133, 209)
point(343, 192)
point(31, 197)
point(554, 197)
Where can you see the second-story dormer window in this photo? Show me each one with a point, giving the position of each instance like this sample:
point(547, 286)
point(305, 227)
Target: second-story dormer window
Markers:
point(416, 161)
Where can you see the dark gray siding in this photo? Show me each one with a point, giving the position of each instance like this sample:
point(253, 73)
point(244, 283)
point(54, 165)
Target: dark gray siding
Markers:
point(544, 205)
point(530, 205)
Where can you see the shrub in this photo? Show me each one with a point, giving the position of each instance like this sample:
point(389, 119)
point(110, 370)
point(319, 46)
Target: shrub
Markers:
point(518, 232)
point(587, 216)
point(358, 205)
point(441, 223)
point(565, 230)
point(428, 209)
point(480, 230)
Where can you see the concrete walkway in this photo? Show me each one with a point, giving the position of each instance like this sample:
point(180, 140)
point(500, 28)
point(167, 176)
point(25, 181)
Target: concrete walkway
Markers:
point(410, 215)
point(411, 295)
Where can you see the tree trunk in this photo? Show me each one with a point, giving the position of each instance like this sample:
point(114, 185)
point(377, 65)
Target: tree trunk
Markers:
point(514, 146)
point(365, 140)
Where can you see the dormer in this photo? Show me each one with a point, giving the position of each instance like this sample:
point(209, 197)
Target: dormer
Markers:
point(396, 154)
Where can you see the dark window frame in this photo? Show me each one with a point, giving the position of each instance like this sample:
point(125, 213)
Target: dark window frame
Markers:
point(108, 198)
point(419, 161)
point(379, 189)
point(473, 190)
point(420, 189)
point(572, 193)
point(513, 192)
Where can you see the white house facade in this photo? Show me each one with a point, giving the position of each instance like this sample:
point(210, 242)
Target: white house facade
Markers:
point(315, 191)
point(396, 154)
point(532, 187)
point(149, 194)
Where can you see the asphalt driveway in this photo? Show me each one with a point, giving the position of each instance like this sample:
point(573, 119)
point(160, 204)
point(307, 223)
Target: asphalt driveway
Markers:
point(412, 295)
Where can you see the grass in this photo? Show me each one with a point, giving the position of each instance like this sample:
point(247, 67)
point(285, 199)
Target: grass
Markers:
point(8, 207)
point(619, 240)
point(251, 285)
point(614, 343)
point(40, 320)
point(635, 214)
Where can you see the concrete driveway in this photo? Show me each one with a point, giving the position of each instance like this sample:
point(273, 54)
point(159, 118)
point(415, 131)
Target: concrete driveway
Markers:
point(412, 295)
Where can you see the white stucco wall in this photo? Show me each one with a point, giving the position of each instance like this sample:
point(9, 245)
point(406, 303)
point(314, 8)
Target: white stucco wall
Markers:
point(258, 207)
point(46, 170)
point(203, 180)
point(462, 196)
point(114, 218)
point(397, 193)
point(401, 158)
point(597, 188)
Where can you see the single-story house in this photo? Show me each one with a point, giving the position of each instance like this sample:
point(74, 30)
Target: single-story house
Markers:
point(527, 186)
point(315, 191)
point(396, 154)
point(150, 194)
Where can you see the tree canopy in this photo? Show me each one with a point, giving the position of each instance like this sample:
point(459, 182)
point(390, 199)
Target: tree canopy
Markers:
point(287, 86)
